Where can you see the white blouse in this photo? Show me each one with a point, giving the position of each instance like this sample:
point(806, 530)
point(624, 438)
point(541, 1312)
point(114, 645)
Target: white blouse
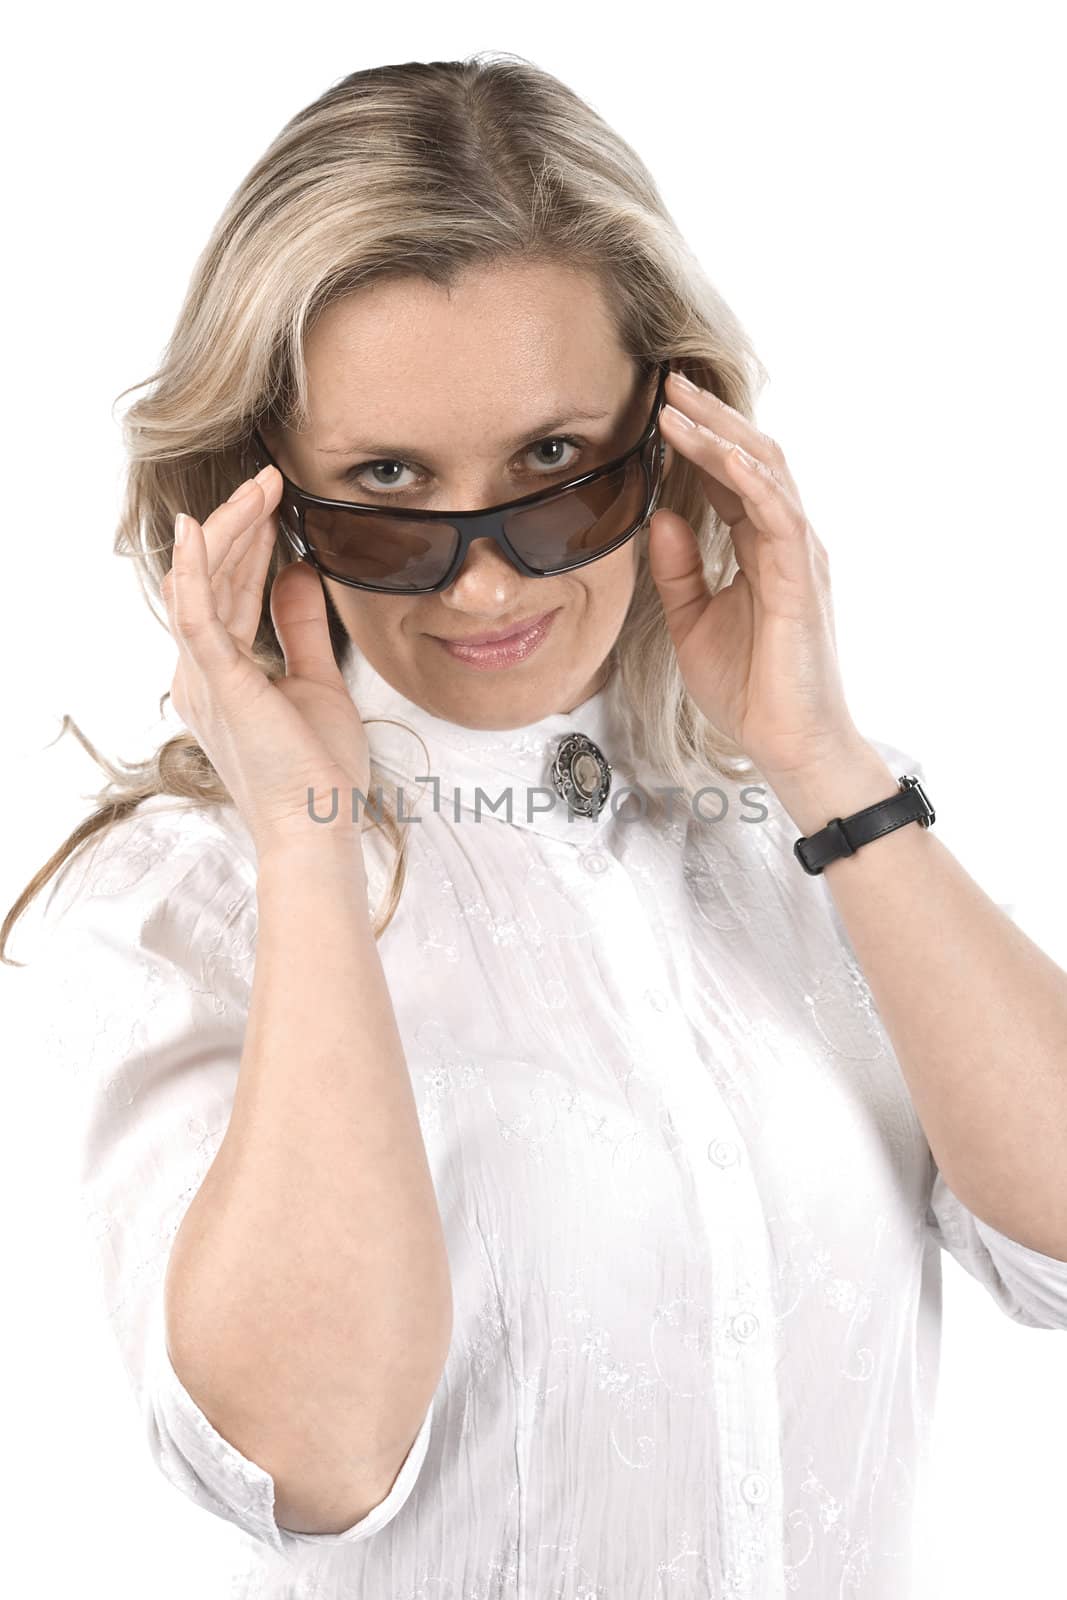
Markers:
point(693, 1221)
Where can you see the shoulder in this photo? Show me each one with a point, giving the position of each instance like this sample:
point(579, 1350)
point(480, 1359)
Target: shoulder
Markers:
point(137, 988)
point(169, 854)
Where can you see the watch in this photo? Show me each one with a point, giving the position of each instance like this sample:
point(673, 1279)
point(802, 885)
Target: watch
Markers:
point(843, 836)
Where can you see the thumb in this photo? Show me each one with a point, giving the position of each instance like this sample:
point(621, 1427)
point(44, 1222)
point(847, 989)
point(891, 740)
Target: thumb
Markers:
point(298, 611)
point(676, 563)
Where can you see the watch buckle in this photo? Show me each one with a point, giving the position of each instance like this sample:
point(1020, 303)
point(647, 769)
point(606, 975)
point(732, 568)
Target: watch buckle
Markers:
point(913, 783)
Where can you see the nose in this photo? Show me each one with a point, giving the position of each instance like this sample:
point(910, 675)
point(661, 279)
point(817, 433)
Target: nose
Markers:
point(486, 584)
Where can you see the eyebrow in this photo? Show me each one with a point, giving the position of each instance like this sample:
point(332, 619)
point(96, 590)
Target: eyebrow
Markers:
point(541, 430)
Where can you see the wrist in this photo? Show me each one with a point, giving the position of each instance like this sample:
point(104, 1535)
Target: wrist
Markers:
point(855, 778)
point(321, 852)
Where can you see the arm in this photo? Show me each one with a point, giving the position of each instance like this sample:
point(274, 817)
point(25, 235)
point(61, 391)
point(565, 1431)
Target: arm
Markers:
point(975, 1011)
point(308, 1297)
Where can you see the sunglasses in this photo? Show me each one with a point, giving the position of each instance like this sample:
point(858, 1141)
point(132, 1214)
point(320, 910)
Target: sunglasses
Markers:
point(420, 552)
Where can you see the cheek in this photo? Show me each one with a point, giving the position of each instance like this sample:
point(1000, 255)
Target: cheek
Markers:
point(605, 602)
point(374, 620)
point(615, 575)
point(619, 591)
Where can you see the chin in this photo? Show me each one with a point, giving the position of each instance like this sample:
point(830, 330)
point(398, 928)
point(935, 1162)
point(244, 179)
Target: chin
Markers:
point(499, 700)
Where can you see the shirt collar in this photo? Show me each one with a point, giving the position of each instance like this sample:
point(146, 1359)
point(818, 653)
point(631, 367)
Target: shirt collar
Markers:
point(507, 763)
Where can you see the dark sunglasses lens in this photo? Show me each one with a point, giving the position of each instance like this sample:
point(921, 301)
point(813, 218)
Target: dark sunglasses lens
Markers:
point(579, 523)
point(405, 556)
point(388, 552)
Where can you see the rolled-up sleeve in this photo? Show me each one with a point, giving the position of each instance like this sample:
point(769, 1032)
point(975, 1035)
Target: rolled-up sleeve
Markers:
point(141, 982)
point(1029, 1287)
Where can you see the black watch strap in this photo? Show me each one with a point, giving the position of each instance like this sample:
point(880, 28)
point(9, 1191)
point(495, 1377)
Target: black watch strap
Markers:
point(843, 836)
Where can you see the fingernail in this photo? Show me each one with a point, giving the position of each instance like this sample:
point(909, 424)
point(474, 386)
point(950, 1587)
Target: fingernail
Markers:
point(179, 527)
point(242, 489)
point(686, 383)
point(678, 416)
point(262, 475)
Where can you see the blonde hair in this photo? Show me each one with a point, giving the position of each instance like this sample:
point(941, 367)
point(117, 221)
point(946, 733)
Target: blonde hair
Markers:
point(424, 168)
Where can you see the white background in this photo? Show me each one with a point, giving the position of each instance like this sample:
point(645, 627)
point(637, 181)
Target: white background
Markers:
point(877, 191)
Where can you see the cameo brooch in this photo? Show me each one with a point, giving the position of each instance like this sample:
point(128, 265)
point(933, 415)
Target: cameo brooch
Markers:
point(581, 775)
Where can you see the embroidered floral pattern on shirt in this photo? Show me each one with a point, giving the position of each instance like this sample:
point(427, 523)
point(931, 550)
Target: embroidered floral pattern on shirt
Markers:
point(689, 1207)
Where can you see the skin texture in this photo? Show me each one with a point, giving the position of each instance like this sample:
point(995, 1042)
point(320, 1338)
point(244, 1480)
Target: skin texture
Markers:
point(449, 381)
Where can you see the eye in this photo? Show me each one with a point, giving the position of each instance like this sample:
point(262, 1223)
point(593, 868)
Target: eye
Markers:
point(363, 477)
point(558, 439)
point(358, 476)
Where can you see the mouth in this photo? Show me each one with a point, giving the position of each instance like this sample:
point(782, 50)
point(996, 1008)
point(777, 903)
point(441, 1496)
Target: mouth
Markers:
point(501, 649)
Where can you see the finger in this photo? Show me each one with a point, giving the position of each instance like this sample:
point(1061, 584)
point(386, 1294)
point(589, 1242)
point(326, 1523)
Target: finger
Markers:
point(688, 440)
point(766, 499)
point(704, 407)
point(676, 564)
point(220, 586)
point(234, 554)
point(201, 636)
point(230, 526)
point(242, 564)
point(242, 542)
point(737, 484)
point(298, 611)
point(234, 520)
point(247, 585)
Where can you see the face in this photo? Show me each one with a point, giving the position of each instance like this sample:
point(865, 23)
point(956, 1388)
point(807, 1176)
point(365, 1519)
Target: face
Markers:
point(434, 399)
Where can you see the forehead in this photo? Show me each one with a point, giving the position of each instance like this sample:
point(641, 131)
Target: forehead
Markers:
point(501, 346)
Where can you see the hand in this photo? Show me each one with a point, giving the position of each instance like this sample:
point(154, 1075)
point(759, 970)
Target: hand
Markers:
point(269, 742)
point(760, 657)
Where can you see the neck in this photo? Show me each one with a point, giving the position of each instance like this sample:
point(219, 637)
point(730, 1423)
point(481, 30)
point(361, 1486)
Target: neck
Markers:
point(594, 686)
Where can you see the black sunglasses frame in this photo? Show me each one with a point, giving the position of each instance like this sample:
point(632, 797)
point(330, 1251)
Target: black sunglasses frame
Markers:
point(470, 525)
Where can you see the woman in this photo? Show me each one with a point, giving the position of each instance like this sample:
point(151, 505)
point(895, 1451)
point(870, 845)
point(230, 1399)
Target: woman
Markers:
point(517, 1166)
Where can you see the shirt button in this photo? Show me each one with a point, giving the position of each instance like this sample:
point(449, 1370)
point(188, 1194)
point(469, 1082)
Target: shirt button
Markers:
point(722, 1152)
point(744, 1326)
point(657, 999)
point(755, 1488)
point(594, 861)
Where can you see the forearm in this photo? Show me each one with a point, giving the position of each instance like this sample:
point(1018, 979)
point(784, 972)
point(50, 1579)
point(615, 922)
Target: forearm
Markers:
point(975, 1011)
point(309, 1301)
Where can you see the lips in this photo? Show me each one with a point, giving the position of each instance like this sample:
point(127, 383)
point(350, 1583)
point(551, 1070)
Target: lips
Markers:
point(508, 651)
point(498, 638)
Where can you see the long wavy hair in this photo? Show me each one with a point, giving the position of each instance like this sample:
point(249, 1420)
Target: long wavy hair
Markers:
point(427, 168)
